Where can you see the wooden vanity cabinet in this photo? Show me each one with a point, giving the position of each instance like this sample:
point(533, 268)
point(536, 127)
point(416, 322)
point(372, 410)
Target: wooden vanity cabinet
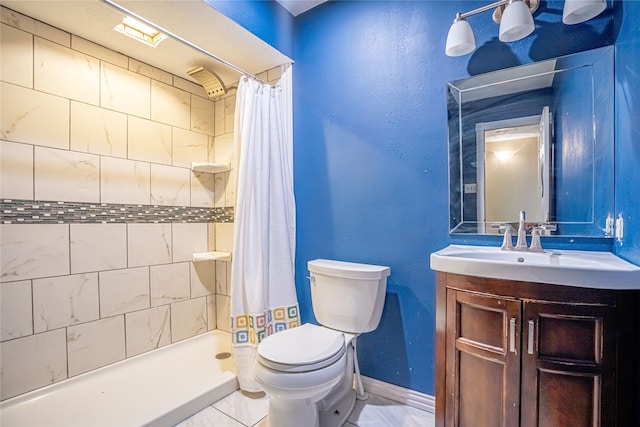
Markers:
point(529, 354)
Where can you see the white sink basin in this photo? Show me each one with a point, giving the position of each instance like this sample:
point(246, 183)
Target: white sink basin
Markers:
point(586, 269)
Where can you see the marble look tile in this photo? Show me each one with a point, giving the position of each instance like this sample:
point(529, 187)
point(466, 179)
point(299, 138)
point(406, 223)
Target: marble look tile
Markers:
point(125, 91)
point(30, 251)
point(148, 329)
point(378, 411)
point(203, 189)
point(95, 344)
point(189, 147)
point(229, 113)
point(65, 72)
point(188, 319)
point(149, 141)
point(34, 117)
point(63, 301)
point(98, 130)
point(203, 276)
point(16, 56)
point(16, 316)
point(189, 86)
point(223, 277)
point(212, 321)
point(223, 313)
point(98, 247)
point(224, 236)
point(149, 71)
point(16, 171)
point(230, 190)
point(188, 238)
point(248, 408)
point(66, 175)
point(97, 51)
point(125, 181)
point(149, 244)
point(32, 362)
point(210, 417)
point(202, 115)
point(211, 236)
point(219, 117)
point(220, 189)
point(124, 291)
point(223, 148)
point(169, 283)
point(170, 105)
point(170, 185)
point(32, 26)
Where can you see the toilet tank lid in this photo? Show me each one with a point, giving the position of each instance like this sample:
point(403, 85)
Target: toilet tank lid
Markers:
point(351, 270)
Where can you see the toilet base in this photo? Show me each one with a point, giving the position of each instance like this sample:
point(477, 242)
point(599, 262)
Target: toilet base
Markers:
point(292, 413)
point(304, 412)
point(338, 413)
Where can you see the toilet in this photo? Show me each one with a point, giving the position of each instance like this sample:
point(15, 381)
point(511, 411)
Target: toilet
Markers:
point(308, 371)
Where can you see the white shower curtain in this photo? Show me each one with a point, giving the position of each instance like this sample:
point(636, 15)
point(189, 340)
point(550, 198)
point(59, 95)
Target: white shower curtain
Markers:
point(263, 295)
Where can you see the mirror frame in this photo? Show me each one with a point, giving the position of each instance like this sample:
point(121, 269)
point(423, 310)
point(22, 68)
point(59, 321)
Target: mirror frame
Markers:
point(595, 197)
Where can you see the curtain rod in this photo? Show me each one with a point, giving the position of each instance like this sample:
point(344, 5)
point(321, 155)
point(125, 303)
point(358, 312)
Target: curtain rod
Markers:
point(180, 39)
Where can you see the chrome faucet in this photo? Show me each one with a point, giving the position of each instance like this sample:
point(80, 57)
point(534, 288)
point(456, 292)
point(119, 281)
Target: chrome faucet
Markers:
point(521, 243)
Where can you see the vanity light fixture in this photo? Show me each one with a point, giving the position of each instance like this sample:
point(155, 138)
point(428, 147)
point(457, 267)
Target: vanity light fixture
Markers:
point(516, 21)
point(139, 31)
point(577, 11)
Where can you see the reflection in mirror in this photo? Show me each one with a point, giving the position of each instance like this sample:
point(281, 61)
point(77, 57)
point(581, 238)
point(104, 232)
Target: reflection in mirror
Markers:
point(515, 174)
point(537, 138)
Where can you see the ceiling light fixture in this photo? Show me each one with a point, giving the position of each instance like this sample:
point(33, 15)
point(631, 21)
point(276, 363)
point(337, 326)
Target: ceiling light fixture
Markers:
point(139, 31)
point(503, 156)
point(516, 21)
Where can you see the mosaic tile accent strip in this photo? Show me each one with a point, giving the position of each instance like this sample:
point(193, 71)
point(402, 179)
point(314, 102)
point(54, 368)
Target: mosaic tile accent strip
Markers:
point(48, 212)
point(253, 328)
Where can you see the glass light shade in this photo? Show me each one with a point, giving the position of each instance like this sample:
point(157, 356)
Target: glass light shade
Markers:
point(577, 11)
point(517, 22)
point(460, 39)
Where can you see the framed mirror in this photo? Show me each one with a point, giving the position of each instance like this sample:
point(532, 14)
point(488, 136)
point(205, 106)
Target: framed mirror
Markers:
point(537, 138)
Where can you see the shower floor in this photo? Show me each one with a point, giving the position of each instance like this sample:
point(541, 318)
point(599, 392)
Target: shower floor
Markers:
point(160, 388)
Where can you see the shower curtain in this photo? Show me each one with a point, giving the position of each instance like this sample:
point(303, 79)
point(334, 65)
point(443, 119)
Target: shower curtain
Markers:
point(263, 295)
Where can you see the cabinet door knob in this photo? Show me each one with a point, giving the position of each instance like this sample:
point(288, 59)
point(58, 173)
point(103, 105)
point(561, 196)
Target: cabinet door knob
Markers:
point(532, 329)
point(512, 335)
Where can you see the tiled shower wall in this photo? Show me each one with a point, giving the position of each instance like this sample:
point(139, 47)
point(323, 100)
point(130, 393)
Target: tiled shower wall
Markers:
point(85, 129)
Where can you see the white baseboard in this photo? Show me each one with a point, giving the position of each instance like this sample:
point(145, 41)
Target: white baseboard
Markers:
point(403, 395)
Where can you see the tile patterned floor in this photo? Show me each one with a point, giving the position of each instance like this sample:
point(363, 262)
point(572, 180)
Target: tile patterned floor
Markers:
point(246, 410)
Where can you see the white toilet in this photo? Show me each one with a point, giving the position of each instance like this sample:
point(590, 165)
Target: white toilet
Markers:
point(308, 371)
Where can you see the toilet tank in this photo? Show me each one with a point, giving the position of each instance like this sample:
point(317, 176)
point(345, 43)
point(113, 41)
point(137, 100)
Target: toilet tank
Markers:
point(347, 296)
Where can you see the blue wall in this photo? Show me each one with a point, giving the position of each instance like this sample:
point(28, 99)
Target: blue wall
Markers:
point(370, 146)
point(628, 130)
point(371, 150)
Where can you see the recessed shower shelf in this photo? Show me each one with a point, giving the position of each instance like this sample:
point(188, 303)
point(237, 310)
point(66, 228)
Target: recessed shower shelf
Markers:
point(210, 167)
point(211, 256)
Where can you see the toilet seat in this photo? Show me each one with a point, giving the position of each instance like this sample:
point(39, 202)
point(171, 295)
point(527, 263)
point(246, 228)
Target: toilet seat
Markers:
point(303, 349)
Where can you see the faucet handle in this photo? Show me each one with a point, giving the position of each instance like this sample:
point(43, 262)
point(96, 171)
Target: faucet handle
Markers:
point(536, 245)
point(507, 243)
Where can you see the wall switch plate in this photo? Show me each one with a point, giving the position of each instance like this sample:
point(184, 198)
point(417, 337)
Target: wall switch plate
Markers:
point(470, 188)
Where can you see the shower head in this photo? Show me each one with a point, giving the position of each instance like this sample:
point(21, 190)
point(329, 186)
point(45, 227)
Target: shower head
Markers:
point(210, 81)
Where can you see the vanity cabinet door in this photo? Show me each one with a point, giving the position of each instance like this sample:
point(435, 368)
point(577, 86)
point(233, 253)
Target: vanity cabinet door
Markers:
point(568, 365)
point(482, 360)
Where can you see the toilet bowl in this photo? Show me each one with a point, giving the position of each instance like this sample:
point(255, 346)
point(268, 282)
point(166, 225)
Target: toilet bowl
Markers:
point(308, 371)
point(299, 368)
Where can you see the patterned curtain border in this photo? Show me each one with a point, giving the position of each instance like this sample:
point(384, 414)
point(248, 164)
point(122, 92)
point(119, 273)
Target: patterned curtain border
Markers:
point(251, 329)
